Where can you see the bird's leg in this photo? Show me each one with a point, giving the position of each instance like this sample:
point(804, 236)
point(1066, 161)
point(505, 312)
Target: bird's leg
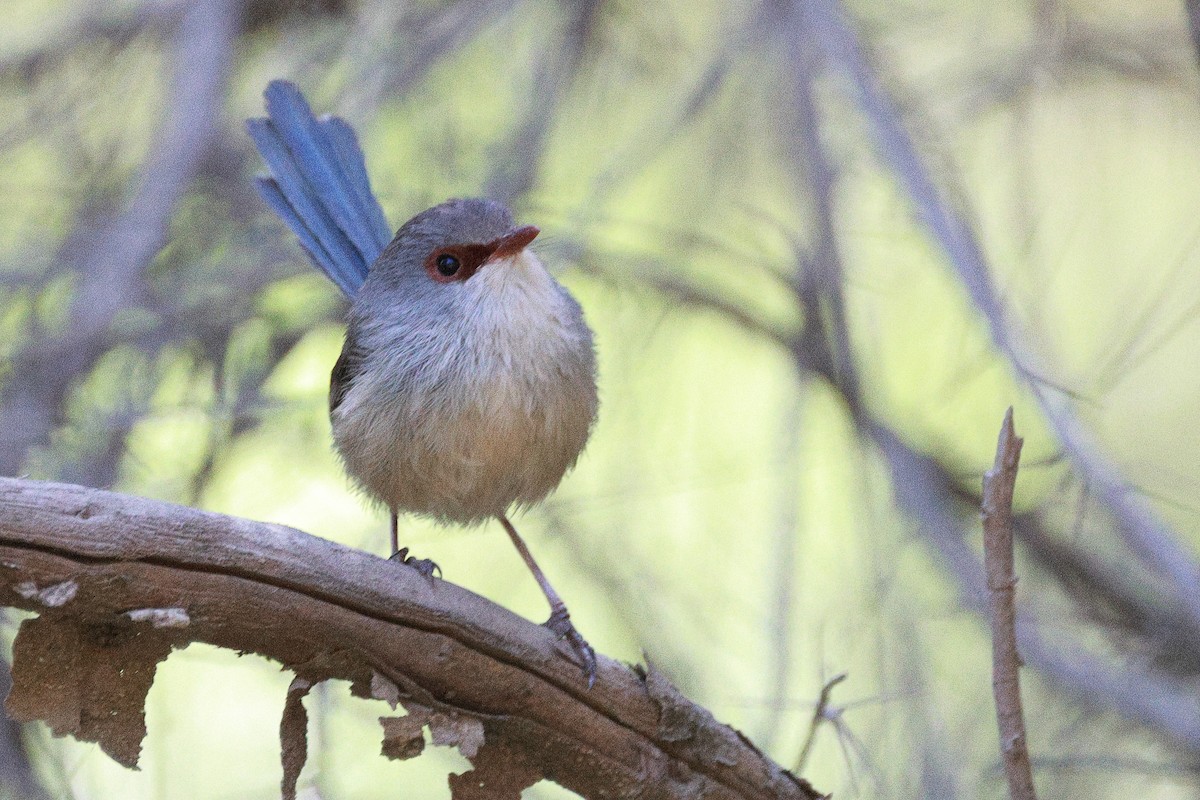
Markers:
point(560, 618)
point(421, 565)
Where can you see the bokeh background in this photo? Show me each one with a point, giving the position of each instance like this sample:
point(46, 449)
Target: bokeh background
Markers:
point(823, 246)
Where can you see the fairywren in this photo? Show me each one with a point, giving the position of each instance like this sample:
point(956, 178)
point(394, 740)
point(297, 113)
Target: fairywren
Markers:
point(467, 383)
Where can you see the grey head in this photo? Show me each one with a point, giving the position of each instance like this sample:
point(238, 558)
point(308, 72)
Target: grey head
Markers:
point(448, 243)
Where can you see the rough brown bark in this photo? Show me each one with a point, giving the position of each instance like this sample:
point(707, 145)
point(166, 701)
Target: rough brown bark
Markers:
point(119, 581)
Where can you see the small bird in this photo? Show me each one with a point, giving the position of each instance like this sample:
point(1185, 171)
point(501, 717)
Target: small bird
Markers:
point(467, 383)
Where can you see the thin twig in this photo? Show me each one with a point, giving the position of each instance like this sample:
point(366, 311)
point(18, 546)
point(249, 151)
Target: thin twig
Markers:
point(1140, 694)
point(998, 486)
point(820, 714)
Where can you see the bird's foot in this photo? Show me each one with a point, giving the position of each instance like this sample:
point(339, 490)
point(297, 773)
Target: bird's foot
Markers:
point(560, 623)
point(421, 565)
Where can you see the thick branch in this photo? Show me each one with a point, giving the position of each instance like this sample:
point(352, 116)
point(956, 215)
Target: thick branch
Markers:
point(319, 607)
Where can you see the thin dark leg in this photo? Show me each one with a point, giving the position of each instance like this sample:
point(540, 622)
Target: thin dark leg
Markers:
point(560, 619)
point(421, 565)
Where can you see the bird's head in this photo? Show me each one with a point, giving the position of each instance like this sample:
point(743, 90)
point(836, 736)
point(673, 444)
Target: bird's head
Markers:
point(452, 243)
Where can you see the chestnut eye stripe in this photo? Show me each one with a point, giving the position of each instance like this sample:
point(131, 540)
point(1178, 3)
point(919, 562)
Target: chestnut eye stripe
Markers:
point(458, 262)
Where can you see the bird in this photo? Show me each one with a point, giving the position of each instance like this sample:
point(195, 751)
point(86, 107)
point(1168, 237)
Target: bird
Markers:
point(466, 385)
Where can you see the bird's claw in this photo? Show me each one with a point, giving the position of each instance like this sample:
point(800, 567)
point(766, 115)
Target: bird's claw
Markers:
point(421, 565)
point(560, 623)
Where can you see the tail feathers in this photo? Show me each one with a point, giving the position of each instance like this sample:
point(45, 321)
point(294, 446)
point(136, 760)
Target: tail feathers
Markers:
point(319, 186)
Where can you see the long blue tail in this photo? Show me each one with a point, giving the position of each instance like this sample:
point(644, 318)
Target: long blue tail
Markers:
point(319, 186)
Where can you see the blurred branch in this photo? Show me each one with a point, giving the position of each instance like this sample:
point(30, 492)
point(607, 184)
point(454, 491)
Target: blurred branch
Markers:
point(1063, 47)
point(820, 714)
point(83, 558)
point(97, 22)
point(898, 152)
point(110, 261)
point(1145, 533)
point(779, 629)
point(625, 161)
point(700, 297)
point(631, 591)
point(926, 491)
point(820, 279)
point(1193, 12)
point(1116, 598)
point(924, 488)
point(556, 71)
point(430, 33)
point(999, 484)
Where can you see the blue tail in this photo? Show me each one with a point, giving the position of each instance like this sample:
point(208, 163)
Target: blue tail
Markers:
point(319, 186)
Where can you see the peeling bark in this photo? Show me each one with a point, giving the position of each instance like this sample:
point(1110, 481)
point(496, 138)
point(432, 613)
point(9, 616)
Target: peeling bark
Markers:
point(120, 581)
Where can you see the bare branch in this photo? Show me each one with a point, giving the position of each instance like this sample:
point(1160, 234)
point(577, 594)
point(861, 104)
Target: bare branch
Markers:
point(998, 487)
point(820, 714)
point(142, 573)
point(1193, 12)
point(516, 165)
point(110, 262)
point(1145, 533)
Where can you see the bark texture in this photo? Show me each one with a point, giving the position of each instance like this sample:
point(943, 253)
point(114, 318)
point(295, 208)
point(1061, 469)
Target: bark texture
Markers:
point(120, 581)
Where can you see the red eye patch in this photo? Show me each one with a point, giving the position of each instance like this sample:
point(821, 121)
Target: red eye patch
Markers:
point(458, 262)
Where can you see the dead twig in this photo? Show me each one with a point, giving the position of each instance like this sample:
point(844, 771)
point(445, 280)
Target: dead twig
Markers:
point(820, 714)
point(998, 486)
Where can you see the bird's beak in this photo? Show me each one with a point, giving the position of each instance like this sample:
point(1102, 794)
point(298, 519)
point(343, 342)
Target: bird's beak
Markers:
point(512, 242)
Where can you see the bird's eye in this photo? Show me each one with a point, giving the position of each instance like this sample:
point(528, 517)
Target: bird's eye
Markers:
point(447, 264)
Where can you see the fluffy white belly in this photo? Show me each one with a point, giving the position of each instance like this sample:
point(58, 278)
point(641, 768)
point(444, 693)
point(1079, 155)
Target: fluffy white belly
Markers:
point(471, 461)
point(464, 422)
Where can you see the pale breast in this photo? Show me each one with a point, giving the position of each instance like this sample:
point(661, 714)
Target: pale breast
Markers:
point(492, 413)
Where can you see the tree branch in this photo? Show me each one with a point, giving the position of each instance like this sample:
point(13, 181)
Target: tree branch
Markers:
point(111, 260)
point(925, 490)
point(1151, 539)
point(999, 485)
point(120, 581)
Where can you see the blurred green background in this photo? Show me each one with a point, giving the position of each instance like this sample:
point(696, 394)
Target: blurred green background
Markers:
point(770, 311)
